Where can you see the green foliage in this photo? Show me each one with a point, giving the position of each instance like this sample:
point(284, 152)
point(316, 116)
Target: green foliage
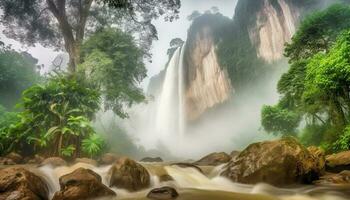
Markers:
point(277, 120)
point(56, 115)
point(318, 81)
point(318, 32)
point(93, 145)
point(343, 142)
point(68, 151)
point(313, 134)
point(18, 71)
point(113, 62)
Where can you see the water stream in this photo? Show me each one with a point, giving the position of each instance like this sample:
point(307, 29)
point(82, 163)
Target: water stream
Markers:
point(194, 185)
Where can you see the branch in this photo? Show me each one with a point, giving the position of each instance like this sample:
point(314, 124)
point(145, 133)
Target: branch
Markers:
point(83, 15)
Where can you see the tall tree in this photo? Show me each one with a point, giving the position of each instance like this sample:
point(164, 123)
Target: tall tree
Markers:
point(49, 22)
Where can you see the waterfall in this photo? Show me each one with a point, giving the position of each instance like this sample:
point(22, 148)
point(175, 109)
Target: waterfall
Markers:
point(170, 116)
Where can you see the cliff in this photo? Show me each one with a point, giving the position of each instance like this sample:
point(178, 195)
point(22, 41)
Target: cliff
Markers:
point(207, 83)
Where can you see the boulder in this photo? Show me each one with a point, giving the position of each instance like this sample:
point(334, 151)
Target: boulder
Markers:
point(7, 161)
point(17, 183)
point(149, 159)
point(15, 157)
point(279, 162)
point(36, 160)
point(54, 162)
point(108, 159)
point(338, 162)
point(342, 178)
point(82, 184)
point(128, 174)
point(86, 161)
point(214, 159)
point(163, 193)
point(165, 178)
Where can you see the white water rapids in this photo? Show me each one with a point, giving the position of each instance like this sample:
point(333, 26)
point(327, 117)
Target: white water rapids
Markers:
point(190, 178)
point(170, 116)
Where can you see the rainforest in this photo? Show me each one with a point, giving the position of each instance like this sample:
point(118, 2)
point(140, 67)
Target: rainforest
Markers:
point(174, 99)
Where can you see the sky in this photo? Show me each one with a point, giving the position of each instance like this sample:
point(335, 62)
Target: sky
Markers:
point(166, 32)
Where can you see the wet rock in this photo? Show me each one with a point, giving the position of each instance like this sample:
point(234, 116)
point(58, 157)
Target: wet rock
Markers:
point(165, 178)
point(214, 159)
point(86, 161)
point(6, 161)
point(128, 174)
point(15, 157)
point(17, 183)
point(54, 162)
point(188, 165)
point(36, 160)
point(163, 193)
point(279, 162)
point(234, 153)
point(108, 159)
point(338, 162)
point(319, 157)
point(82, 184)
point(150, 159)
point(342, 178)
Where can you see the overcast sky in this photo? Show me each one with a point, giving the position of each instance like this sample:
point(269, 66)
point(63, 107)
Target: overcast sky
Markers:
point(166, 32)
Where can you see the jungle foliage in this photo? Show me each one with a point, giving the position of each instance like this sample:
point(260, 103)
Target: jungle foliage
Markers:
point(315, 90)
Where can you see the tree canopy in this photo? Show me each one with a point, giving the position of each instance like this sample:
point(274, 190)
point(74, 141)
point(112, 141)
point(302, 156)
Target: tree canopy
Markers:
point(316, 87)
point(18, 71)
point(57, 22)
point(112, 61)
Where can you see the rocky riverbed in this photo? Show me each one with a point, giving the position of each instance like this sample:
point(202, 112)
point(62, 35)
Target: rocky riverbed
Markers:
point(272, 170)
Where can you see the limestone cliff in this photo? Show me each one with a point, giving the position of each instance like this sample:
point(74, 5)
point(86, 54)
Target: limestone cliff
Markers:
point(207, 84)
point(274, 25)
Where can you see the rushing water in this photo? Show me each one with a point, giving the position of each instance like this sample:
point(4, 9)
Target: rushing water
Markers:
point(194, 185)
point(170, 118)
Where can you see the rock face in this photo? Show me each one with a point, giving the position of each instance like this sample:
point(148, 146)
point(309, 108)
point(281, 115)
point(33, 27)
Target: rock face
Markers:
point(128, 174)
point(15, 157)
point(214, 159)
point(338, 162)
point(17, 183)
point(54, 162)
point(207, 84)
point(149, 159)
point(275, 25)
point(82, 184)
point(320, 157)
point(279, 162)
point(343, 178)
point(163, 193)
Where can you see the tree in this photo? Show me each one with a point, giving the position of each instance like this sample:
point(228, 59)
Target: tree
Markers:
point(316, 87)
point(114, 63)
point(174, 44)
point(18, 71)
point(48, 22)
point(277, 120)
point(194, 15)
point(318, 32)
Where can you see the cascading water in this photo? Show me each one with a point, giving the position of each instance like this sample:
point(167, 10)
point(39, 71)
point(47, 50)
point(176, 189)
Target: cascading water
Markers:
point(191, 180)
point(170, 115)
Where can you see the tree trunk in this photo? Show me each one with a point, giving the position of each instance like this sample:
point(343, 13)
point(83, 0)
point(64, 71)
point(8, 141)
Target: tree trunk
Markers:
point(72, 44)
